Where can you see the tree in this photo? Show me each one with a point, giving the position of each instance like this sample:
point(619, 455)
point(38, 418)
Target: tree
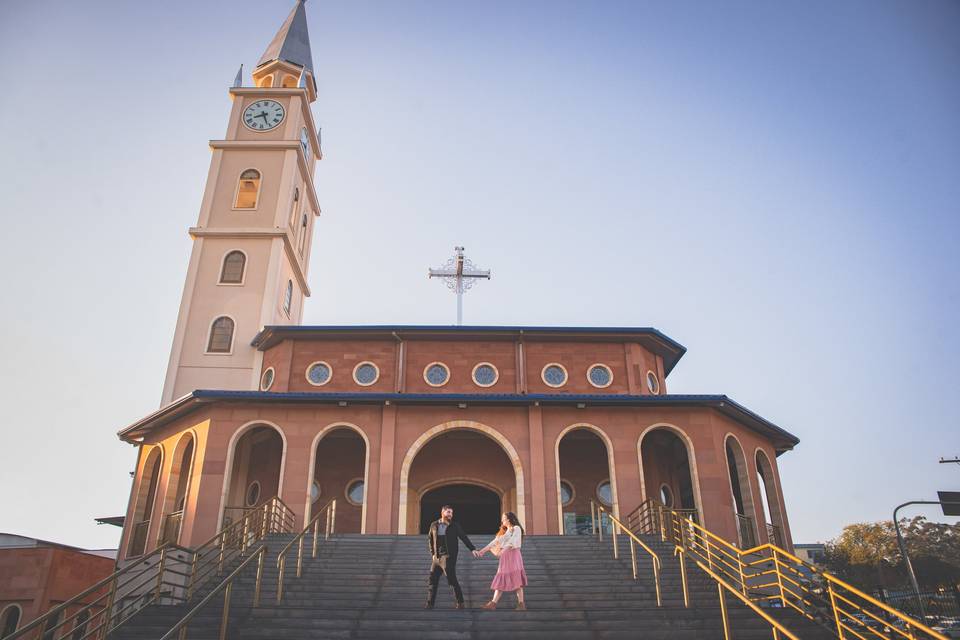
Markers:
point(866, 553)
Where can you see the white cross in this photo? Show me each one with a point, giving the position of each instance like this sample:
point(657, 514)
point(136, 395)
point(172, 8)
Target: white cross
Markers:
point(459, 274)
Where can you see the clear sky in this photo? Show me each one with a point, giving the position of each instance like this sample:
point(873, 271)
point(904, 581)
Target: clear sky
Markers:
point(776, 185)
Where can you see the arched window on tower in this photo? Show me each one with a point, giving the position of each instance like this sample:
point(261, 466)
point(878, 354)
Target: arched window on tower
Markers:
point(289, 81)
point(266, 81)
point(233, 266)
point(248, 190)
point(303, 234)
point(288, 297)
point(221, 336)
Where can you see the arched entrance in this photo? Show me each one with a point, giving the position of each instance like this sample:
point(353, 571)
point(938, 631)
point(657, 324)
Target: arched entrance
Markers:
point(668, 472)
point(770, 501)
point(742, 495)
point(585, 468)
point(176, 498)
point(143, 507)
point(340, 471)
point(255, 470)
point(462, 453)
point(476, 508)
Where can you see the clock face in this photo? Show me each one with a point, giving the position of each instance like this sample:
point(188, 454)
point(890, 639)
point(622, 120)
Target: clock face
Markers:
point(263, 115)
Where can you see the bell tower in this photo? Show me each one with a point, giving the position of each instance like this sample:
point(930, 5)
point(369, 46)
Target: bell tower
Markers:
point(252, 241)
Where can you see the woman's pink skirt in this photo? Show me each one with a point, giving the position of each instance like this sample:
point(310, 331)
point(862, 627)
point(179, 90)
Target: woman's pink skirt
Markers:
point(510, 574)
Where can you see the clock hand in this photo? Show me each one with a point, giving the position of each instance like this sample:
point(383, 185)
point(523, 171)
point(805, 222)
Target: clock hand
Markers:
point(263, 114)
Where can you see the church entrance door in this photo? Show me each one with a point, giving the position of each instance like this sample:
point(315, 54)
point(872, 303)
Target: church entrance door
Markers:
point(476, 508)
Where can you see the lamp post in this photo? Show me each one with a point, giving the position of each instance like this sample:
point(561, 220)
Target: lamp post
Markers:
point(903, 547)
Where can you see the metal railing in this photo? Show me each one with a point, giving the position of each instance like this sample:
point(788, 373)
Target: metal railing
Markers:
point(595, 521)
point(771, 577)
point(171, 527)
point(138, 539)
point(168, 575)
point(748, 538)
point(179, 630)
point(329, 513)
point(775, 535)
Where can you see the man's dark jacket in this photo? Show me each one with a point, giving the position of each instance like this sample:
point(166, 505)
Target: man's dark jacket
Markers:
point(453, 532)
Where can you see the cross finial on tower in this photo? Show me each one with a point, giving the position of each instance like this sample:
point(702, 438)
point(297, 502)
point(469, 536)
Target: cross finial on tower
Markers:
point(459, 274)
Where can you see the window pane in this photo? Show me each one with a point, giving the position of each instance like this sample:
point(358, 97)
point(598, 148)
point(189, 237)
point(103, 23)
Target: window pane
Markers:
point(233, 268)
point(221, 336)
point(248, 189)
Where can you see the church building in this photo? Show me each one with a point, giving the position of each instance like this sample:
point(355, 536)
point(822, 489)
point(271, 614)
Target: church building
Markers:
point(394, 421)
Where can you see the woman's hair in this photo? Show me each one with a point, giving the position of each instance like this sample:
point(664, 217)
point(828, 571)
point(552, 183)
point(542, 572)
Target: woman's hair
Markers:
point(513, 520)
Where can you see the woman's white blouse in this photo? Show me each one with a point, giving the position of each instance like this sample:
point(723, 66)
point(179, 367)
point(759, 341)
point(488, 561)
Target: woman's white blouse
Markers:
point(510, 540)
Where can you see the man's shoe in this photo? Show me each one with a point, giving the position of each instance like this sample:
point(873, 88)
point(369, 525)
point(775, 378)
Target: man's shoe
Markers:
point(428, 605)
point(459, 605)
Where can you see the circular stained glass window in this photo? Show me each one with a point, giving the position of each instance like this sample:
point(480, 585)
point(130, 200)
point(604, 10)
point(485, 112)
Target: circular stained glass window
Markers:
point(666, 496)
point(485, 374)
point(266, 380)
point(318, 373)
point(436, 374)
point(600, 375)
point(554, 375)
point(566, 493)
point(605, 493)
point(355, 492)
point(366, 373)
point(253, 494)
point(315, 491)
point(652, 383)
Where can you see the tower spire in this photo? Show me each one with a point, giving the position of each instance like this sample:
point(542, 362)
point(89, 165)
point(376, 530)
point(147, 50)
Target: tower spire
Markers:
point(292, 42)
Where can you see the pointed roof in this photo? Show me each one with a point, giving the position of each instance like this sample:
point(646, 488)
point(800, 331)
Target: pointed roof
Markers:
point(292, 42)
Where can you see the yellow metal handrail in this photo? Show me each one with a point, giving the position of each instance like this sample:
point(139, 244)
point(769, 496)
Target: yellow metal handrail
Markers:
point(330, 512)
point(170, 573)
point(767, 573)
point(596, 508)
point(179, 630)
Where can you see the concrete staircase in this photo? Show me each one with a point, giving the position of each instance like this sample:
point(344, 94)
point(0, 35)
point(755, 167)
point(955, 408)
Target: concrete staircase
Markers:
point(374, 587)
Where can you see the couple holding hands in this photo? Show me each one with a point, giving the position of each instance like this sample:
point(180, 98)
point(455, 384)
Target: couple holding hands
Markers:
point(444, 543)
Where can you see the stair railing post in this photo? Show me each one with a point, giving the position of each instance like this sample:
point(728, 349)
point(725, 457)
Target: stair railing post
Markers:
point(616, 550)
point(224, 619)
point(723, 613)
point(282, 568)
point(633, 558)
point(333, 518)
point(326, 528)
point(108, 612)
point(683, 578)
point(776, 567)
point(160, 570)
point(593, 519)
point(223, 551)
point(263, 531)
point(193, 574)
point(316, 532)
point(300, 557)
point(243, 535)
point(599, 523)
point(836, 614)
point(256, 589)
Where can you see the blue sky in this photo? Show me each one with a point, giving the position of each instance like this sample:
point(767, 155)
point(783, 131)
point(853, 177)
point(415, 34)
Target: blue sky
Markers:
point(774, 185)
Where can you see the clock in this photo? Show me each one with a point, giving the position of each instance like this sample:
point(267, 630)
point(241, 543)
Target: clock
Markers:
point(263, 115)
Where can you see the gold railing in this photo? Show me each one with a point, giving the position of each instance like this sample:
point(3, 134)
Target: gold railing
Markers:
point(596, 528)
point(329, 513)
point(770, 577)
point(168, 575)
point(179, 630)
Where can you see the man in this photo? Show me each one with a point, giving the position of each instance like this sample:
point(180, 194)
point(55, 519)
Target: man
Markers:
point(444, 547)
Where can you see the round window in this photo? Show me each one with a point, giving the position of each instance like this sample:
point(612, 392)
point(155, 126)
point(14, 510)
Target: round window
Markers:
point(266, 380)
point(566, 493)
point(554, 375)
point(355, 492)
point(600, 375)
point(652, 383)
point(605, 493)
point(366, 373)
point(315, 491)
point(253, 494)
point(666, 496)
point(485, 375)
point(436, 374)
point(318, 373)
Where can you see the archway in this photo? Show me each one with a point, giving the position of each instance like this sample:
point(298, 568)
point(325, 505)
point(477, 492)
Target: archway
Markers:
point(770, 500)
point(460, 452)
point(10, 619)
point(669, 472)
point(255, 471)
point(742, 495)
point(175, 500)
point(585, 471)
point(143, 507)
point(475, 507)
point(340, 462)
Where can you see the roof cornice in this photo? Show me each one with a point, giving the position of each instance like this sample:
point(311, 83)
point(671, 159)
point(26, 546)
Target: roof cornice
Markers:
point(782, 439)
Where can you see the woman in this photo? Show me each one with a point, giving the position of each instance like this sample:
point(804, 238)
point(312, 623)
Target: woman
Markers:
point(510, 574)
